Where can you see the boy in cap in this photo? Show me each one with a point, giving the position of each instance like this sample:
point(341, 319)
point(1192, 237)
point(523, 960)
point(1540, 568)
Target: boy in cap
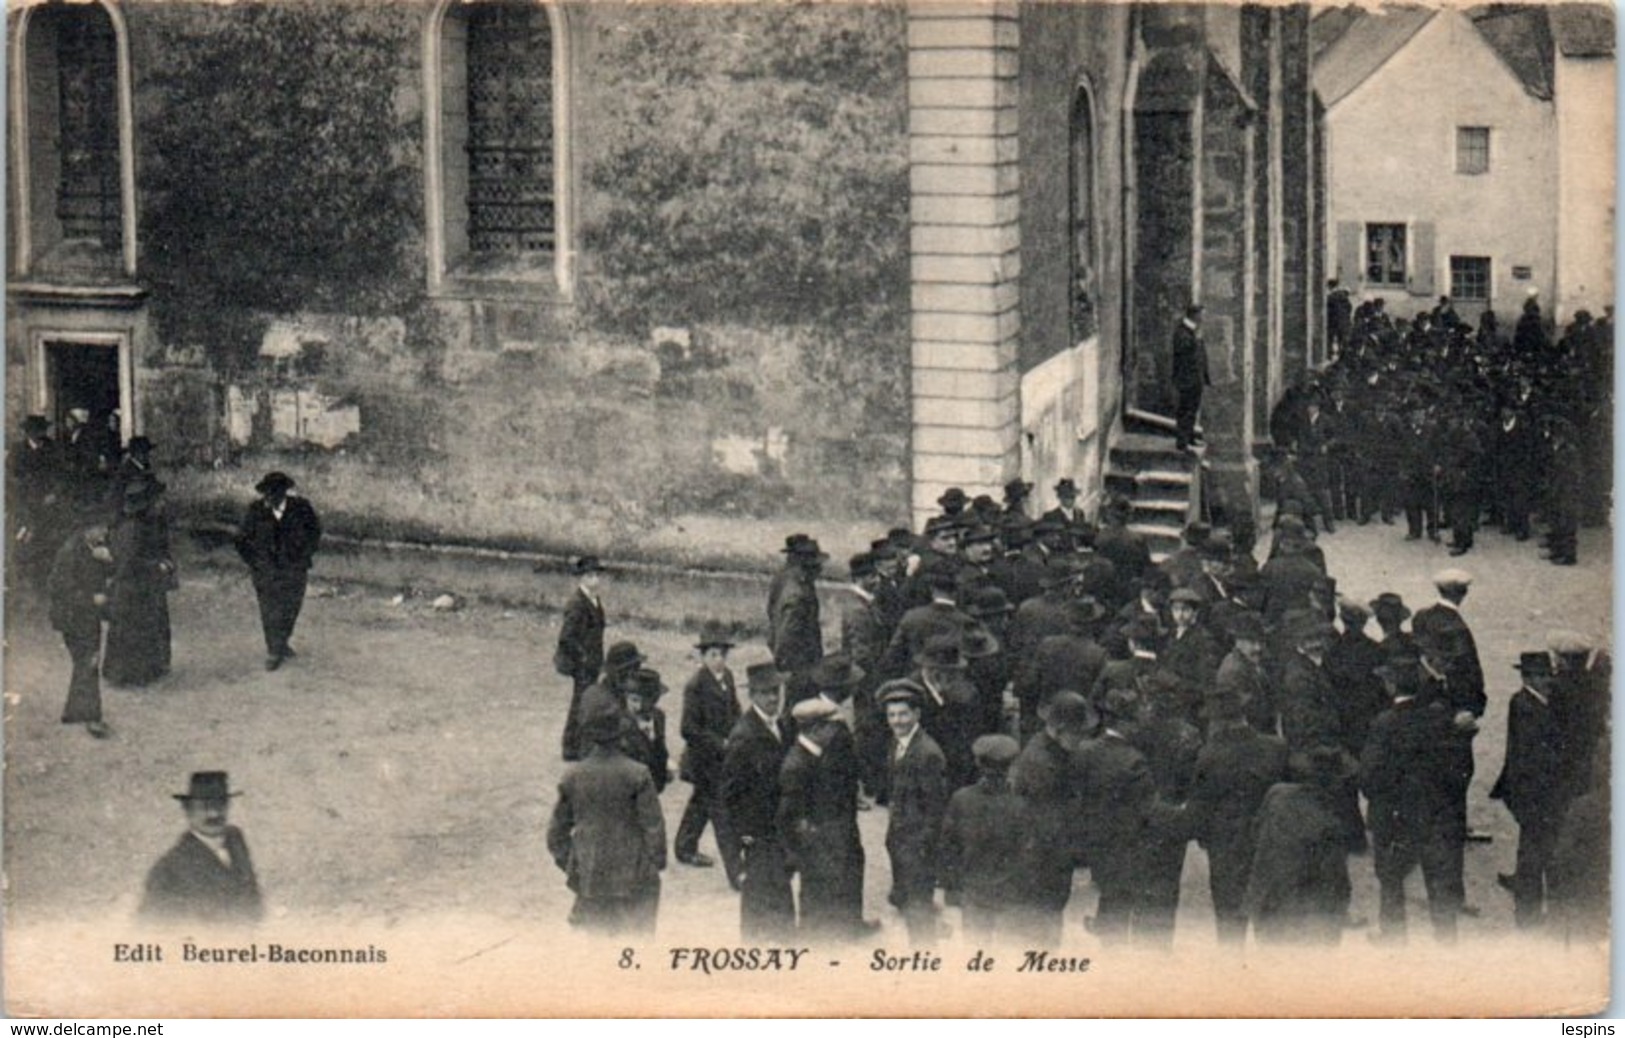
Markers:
point(278, 539)
point(1531, 785)
point(918, 791)
point(710, 711)
point(607, 833)
point(207, 877)
point(987, 845)
point(580, 652)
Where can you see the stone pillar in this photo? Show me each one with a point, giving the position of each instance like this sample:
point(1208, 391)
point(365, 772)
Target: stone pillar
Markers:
point(1299, 296)
point(965, 248)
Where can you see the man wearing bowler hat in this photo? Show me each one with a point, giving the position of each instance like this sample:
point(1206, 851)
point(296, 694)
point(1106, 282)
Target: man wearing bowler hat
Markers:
point(794, 634)
point(1068, 514)
point(752, 759)
point(710, 711)
point(207, 877)
point(1531, 785)
point(580, 652)
point(278, 540)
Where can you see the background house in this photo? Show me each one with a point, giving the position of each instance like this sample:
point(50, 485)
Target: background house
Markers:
point(1467, 154)
point(661, 279)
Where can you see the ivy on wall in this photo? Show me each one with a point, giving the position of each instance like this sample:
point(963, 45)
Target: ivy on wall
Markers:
point(273, 171)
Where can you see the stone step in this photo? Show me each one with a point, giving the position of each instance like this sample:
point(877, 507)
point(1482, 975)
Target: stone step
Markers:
point(1172, 506)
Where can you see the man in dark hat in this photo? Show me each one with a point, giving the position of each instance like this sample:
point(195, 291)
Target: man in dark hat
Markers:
point(1142, 636)
point(135, 465)
point(987, 848)
point(950, 708)
point(1016, 493)
point(752, 759)
point(278, 539)
point(35, 500)
point(1298, 891)
point(918, 791)
point(1190, 375)
point(619, 675)
point(645, 726)
point(607, 833)
point(207, 878)
point(863, 643)
point(137, 650)
point(1042, 775)
point(1243, 677)
point(1068, 514)
point(710, 711)
point(1124, 548)
point(1531, 785)
point(580, 652)
point(1235, 768)
point(1351, 662)
point(991, 666)
point(1118, 795)
point(78, 597)
point(1307, 701)
point(818, 823)
point(1391, 612)
point(953, 502)
point(794, 635)
point(1070, 660)
point(1407, 773)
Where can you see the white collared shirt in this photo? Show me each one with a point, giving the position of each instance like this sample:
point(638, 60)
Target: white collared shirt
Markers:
point(589, 595)
point(216, 844)
point(279, 508)
point(903, 743)
point(772, 723)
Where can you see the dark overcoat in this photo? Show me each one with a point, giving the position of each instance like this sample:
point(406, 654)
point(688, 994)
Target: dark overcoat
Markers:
point(191, 884)
point(607, 832)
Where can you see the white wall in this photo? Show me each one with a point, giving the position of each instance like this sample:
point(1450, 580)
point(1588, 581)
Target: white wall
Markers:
point(1392, 159)
point(1586, 104)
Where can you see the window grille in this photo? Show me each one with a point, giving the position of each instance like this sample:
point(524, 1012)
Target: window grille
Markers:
point(510, 129)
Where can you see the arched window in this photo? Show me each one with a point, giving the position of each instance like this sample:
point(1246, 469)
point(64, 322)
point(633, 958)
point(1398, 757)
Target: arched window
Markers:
point(71, 143)
point(497, 147)
point(1085, 255)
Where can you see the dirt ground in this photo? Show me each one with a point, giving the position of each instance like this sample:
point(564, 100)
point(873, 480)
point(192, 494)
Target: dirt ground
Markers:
point(403, 767)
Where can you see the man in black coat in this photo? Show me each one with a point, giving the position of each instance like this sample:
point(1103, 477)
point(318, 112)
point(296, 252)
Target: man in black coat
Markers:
point(1118, 797)
point(1531, 785)
point(580, 652)
point(1234, 769)
point(752, 759)
point(918, 791)
point(987, 842)
point(78, 593)
point(710, 711)
point(1190, 375)
point(794, 634)
point(207, 878)
point(278, 540)
point(1408, 775)
point(818, 821)
point(34, 500)
point(1351, 663)
point(1043, 776)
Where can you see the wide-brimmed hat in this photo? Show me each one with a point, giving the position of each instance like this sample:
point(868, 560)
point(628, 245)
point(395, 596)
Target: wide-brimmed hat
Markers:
point(941, 651)
point(603, 723)
point(952, 497)
point(1017, 488)
point(835, 673)
point(987, 601)
point(206, 785)
point(1534, 664)
point(586, 564)
point(647, 683)
point(273, 482)
point(1066, 485)
point(1390, 604)
point(622, 657)
point(801, 546)
point(763, 677)
point(1067, 709)
point(977, 642)
point(713, 635)
point(863, 564)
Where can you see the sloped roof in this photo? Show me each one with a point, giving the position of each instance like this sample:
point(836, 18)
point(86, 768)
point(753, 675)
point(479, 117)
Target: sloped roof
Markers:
point(1349, 44)
point(1521, 36)
point(1583, 30)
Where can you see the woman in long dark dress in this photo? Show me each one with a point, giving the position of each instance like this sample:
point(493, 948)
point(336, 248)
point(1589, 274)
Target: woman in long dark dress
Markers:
point(137, 650)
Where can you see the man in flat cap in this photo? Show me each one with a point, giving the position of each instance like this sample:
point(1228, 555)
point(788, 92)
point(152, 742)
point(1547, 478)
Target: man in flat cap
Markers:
point(794, 635)
point(710, 711)
point(278, 539)
point(1191, 652)
point(752, 760)
point(1531, 785)
point(607, 833)
point(580, 652)
point(207, 878)
point(818, 823)
point(918, 791)
point(986, 848)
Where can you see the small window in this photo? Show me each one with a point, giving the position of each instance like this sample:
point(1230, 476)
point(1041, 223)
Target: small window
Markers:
point(1470, 278)
point(1385, 254)
point(1472, 149)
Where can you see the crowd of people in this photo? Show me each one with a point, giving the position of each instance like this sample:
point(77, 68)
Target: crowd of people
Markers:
point(1029, 699)
point(1453, 425)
